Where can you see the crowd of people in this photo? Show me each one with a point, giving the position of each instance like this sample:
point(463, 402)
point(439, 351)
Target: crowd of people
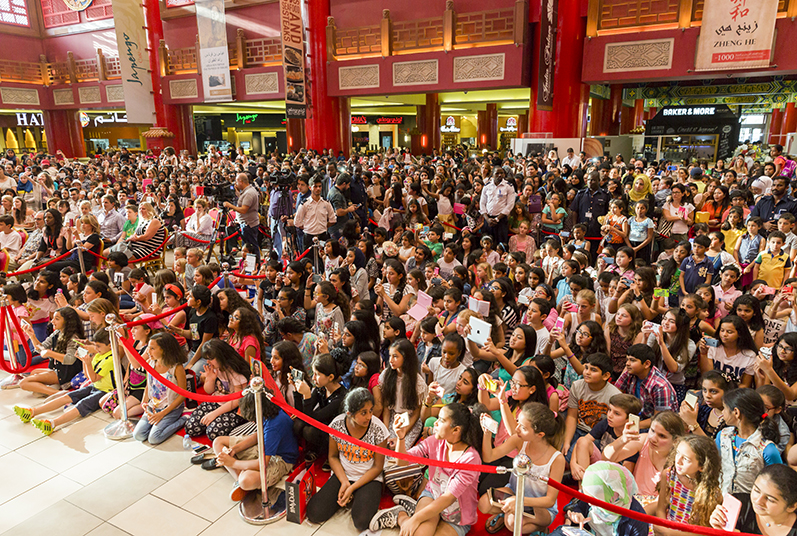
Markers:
point(629, 326)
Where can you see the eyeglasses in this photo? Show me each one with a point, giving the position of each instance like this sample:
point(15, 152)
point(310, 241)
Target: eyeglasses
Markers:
point(584, 334)
point(514, 384)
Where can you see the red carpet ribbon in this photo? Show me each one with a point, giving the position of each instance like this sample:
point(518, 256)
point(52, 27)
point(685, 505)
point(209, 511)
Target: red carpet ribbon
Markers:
point(167, 313)
point(39, 267)
point(142, 259)
point(128, 343)
point(15, 321)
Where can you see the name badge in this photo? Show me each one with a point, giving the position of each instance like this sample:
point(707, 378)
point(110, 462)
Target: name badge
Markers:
point(588, 215)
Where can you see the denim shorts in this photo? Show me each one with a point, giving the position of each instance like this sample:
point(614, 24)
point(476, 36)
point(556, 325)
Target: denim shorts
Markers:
point(86, 399)
point(461, 530)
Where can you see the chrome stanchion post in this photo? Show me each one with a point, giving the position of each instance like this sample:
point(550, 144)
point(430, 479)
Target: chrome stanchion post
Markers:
point(12, 380)
point(121, 429)
point(80, 259)
point(520, 467)
point(315, 254)
point(255, 508)
point(225, 274)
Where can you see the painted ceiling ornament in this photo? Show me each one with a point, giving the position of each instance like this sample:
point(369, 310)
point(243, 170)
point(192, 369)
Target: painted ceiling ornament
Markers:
point(77, 5)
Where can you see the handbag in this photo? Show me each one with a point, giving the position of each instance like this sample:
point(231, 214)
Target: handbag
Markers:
point(405, 479)
point(664, 228)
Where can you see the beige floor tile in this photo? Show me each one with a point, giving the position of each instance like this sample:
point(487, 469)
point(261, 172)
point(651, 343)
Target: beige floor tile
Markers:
point(340, 523)
point(35, 500)
point(231, 523)
point(62, 518)
point(116, 491)
point(4, 450)
point(188, 484)
point(214, 501)
point(167, 460)
point(106, 529)
point(15, 434)
point(10, 397)
point(283, 528)
point(160, 518)
point(99, 465)
point(20, 474)
point(70, 445)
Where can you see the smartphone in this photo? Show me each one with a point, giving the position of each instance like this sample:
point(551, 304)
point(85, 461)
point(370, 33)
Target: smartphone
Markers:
point(565, 234)
point(317, 278)
point(490, 384)
point(490, 424)
point(691, 400)
point(82, 352)
point(788, 289)
point(560, 324)
point(297, 375)
point(199, 449)
point(711, 341)
point(404, 419)
point(734, 508)
point(672, 168)
point(661, 293)
point(648, 325)
point(766, 351)
point(628, 282)
point(572, 307)
point(495, 495)
point(634, 420)
point(608, 260)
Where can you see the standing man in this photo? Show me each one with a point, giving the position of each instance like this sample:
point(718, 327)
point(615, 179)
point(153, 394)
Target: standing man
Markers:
point(589, 205)
point(304, 195)
point(315, 216)
point(248, 216)
point(338, 200)
point(571, 159)
point(497, 201)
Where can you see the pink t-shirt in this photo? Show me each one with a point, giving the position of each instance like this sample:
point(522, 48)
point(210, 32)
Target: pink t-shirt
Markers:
point(245, 343)
point(461, 484)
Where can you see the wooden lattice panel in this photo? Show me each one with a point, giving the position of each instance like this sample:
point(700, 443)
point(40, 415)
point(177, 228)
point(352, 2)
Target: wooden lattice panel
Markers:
point(630, 13)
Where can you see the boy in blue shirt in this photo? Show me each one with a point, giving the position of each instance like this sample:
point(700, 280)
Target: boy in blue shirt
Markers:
point(697, 268)
point(238, 454)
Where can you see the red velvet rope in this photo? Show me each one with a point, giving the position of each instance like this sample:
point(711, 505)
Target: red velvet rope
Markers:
point(165, 314)
point(305, 252)
point(128, 343)
point(15, 321)
point(142, 259)
point(39, 267)
point(236, 233)
point(452, 226)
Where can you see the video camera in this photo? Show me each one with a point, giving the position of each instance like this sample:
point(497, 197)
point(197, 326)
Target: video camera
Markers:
point(282, 180)
point(221, 191)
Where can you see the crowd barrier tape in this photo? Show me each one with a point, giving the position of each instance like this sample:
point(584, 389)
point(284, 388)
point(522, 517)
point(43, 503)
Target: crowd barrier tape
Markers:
point(39, 267)
point(166, 313)
point(15, 321)
point(493, 469)
point(236, 233)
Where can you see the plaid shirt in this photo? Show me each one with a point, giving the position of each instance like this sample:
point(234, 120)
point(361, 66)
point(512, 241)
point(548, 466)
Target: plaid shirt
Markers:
point(655, 392)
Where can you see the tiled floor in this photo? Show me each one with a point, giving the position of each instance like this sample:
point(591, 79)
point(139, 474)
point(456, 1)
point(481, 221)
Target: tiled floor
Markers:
point(76, 482)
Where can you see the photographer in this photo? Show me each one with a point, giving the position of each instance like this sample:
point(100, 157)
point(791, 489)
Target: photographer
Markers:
point(247, 216)
point(338, 200)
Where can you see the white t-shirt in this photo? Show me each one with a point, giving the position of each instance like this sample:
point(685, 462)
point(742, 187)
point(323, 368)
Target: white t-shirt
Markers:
point(400, 406)
point(740, 364)
point(542, 340)
point(11, 241)
point(356, 460)
point(446, 377)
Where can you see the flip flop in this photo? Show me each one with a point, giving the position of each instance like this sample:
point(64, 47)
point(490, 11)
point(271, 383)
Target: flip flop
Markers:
point(495, 523)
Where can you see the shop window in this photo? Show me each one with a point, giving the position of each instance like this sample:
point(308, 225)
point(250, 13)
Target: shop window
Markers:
point(14, 12)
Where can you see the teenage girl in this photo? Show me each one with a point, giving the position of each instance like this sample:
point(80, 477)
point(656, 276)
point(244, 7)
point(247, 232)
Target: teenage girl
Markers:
point(623, 331)
point(735, 352)
point(588, 339)
point(673, 347)
point(285, 355)
point(781, 369)
point(539, 436)
point(403, 388)
point(706, 419)
point(748, 308)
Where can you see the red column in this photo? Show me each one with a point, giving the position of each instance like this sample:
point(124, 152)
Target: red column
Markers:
point(570, 97)
point(328, 123)
point(418, 140)
point(789, 123)
point(639, 112)
point(296, 136)
point(522, 124)
point(64, 133)
point(432, 121)
point(596, 119)
point(615, 109)
point(775, 124)
point(481, 128)
point(627, 120)
point(491, 119)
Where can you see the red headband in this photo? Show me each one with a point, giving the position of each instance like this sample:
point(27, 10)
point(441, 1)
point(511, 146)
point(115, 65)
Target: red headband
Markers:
point(176, 290)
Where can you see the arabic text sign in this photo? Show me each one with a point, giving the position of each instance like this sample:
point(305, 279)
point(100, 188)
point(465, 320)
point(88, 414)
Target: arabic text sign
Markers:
point(293, 58)
point(736, 34)
point(134, 61)
point(214, 57)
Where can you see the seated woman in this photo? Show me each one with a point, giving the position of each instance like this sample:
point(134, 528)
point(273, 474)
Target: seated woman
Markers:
point(356, 478)
point(149, 235)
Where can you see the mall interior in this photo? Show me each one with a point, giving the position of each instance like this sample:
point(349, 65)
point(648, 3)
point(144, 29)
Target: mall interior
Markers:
point(420, 75)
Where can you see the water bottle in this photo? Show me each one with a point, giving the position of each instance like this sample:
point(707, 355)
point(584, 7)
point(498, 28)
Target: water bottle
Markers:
point(187, 443)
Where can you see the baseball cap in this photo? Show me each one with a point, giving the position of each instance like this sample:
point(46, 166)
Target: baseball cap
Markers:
point(696, 172)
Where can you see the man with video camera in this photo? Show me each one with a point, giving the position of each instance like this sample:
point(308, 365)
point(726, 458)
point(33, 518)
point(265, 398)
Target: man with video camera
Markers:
point(247, 210)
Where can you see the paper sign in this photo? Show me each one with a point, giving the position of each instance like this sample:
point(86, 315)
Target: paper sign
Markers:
point(145, 183)
point(479, 331)
point(459, 208)
point(481, 307)
point(420, 310)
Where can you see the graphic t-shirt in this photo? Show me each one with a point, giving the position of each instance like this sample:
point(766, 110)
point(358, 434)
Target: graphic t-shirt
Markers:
point(356, 460)
point(103, 366)
point(592, 405)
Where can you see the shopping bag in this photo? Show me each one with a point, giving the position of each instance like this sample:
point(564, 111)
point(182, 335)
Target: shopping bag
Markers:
point(299, 487)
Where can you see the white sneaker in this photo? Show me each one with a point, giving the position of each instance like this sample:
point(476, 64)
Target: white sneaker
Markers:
point(385, 519)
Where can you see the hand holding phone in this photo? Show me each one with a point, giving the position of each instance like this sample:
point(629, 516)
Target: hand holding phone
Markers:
point(733, 508)
point(634, 420)
point(691, 399)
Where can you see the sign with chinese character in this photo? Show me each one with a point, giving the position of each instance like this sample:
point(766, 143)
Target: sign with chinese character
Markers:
point(547, 60)
point(215, 59)
point(134, 61)
point(293, 58)
point(736, 34)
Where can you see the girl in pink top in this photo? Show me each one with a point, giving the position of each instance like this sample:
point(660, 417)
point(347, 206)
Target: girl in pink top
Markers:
point(653, 448)
point(245, 334)
point(450, 494)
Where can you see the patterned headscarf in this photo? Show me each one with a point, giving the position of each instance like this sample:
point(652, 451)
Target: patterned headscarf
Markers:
point(612, 483)
point(636, 195)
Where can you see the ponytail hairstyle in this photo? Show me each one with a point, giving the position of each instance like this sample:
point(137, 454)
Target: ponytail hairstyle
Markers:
point(544, 420)
point(547, 368)
point(470, 431)
point(104, 291)
point(335, 297)
point(329, 365)
point(751, 408)
point(707, 481)
point(409, 369)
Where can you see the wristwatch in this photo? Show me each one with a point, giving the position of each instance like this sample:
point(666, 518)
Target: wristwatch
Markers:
point(692, 428)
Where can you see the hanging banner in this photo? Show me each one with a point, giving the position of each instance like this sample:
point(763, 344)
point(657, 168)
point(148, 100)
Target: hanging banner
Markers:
point(293, 58)
point(131, 39)
point(736, 34)
point(547, 59)
point(213, 53)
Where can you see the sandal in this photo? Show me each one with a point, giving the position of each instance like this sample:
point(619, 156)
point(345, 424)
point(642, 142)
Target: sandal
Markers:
point(494, 524)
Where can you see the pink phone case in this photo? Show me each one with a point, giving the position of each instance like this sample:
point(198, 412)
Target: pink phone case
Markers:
point(560, 323)
point(734, 508)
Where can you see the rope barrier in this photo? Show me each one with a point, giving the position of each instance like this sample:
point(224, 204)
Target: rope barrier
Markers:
point(305, 252)
point(449, 225)
point(39, 267)
point(142, 259)
point(166, 313)
point(15, 321)
point(128, 343)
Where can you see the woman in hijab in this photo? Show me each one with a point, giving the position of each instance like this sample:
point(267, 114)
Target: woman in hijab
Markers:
point(611, 483)
point(641, 190)
point(355, 259)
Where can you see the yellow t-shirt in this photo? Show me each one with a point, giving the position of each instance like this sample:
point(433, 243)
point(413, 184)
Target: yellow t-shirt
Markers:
point(103, 366)
point(772, 268)
point(731, 237)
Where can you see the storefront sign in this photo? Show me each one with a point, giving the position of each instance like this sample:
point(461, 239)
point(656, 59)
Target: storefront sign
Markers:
point(293, 58)
point(111, 118)
point(511, 125)
point(362, 120)
point(736, 34)
point(451, 125)
point(134, 60)
point(246, 119)
point(688, 111)
point(698, 120)
point(25, 119)
point(547, 54)
point(215, 59)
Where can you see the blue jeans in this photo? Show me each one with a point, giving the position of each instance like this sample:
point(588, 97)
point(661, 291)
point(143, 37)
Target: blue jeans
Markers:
point(22, 357)
point(578, 435)
point(162, 431)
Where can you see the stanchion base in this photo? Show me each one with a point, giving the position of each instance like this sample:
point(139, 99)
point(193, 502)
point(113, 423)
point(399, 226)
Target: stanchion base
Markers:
point(254, 512)
point(11, 382)
point(119, 430)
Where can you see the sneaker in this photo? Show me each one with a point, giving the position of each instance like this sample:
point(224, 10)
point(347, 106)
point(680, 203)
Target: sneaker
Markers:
point(386, 519)
point(45, 426)
point(24, 414)
point(407, 503)
point(238, 493)
point(326, 467)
